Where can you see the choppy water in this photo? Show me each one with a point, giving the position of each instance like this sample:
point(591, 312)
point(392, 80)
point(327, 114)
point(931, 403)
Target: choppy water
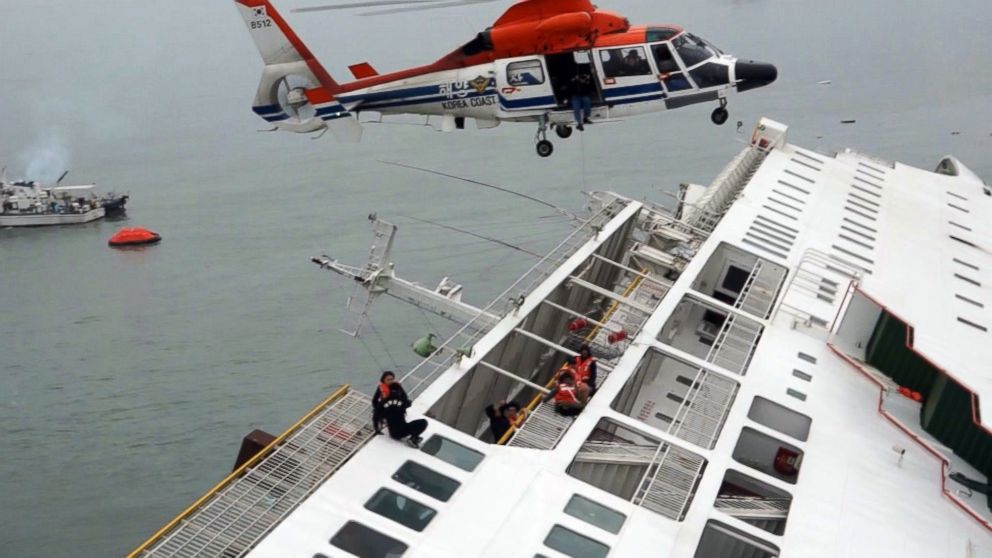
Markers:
point(127, 379)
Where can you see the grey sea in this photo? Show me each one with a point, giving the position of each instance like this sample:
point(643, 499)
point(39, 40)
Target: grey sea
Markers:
point(128, 378)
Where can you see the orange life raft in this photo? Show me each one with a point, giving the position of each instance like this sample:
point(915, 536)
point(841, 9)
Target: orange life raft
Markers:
point(134, 236)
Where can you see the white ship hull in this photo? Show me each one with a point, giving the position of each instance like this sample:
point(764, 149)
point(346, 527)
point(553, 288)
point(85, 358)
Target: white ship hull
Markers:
point(43, 219)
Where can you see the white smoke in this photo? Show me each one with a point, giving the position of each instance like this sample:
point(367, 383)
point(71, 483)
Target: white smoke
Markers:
point(46, 160)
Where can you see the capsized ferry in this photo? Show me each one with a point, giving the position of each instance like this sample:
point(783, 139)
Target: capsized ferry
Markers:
point(803, 371)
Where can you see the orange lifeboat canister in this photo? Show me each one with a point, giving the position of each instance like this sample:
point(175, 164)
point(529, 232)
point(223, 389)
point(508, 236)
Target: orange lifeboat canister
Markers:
point(134, 236)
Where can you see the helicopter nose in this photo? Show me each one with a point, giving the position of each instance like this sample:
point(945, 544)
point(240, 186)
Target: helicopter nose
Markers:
point(751, 74)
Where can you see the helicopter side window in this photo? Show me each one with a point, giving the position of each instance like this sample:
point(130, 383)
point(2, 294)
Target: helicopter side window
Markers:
point(628, 61)
point(527, 72)
point(692, 52)
point(668, 69)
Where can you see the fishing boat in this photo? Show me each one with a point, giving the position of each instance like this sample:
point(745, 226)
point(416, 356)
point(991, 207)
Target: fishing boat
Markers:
point(28, 203)
point(792, 361)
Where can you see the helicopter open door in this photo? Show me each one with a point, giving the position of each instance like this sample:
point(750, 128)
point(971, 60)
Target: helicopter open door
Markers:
point(524, 84)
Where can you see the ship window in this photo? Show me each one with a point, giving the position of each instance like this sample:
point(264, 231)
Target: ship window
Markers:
point(527, 72)
point(451, 452)
point(719, 539)
point(595, 514)
point(780, 418)
point(660, 33)
point(573, 544)
point(368, 543)
point(692, 52)
point(400, 509)
point(627, 61)
point(808, 358)
point(802, 375)
point(711, 75)
point(425, 480)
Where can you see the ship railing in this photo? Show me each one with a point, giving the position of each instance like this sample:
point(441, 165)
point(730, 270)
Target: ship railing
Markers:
point(752, 507)
point(462, 341)
point(614, 452)
point(704, 409)
point(669, 482)
point(233, 516)
point(815, 293)
point(758, 294)
point(726, 187)
point(734, 344)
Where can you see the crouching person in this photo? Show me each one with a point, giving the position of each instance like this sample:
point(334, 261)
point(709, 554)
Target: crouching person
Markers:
point(570, 398)
point(393, 411)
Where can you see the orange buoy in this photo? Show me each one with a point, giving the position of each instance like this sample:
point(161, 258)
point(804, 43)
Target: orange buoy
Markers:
point(134, 236)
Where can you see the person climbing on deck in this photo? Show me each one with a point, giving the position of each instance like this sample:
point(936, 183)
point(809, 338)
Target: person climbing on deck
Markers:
point(502, 416)
point(382, 392)
point(584, 368)
point(393, 411)
point(570, 398)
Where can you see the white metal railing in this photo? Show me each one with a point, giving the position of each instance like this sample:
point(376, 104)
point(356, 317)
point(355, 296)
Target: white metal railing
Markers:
point(760, 289)
point(734, 344)
point(615, 452)
point(669, 482)
point(726, 187)
point(232, 521)
point(704, 409)
point(816, 291)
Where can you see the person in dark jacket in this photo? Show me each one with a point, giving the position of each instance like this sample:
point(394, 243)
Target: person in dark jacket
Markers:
point(580, 90)
point(393, 411)
point(382, 392)
point(502, 416)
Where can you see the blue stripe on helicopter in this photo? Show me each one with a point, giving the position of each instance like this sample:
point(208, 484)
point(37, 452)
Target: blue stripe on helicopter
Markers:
point(534, 102)
point(274, 117)
point(331, 109)
point(423, 100)
point(334, 116)
point(391, 95)
point(266, 109)
point(626, 91)
point(641, 99)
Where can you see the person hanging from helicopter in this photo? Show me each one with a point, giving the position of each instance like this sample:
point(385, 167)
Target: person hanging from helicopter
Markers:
point(580, 91)
point(569, 397)
point(393, 411)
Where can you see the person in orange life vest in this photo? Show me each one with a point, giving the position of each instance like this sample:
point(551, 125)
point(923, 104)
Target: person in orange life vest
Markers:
point(584, 367)
point(381, 393)
point(502, 416)
point(570, 398)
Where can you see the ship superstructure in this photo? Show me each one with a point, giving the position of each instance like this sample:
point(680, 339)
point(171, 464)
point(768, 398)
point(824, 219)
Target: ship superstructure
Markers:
point(791, 363)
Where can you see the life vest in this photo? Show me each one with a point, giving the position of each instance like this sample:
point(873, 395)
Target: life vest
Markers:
point(383, 389)
point(566, 394)
point(581, 368)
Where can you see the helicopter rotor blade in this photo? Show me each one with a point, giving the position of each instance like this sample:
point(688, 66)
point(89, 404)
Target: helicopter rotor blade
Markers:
point(428, 6)
point(366, 4)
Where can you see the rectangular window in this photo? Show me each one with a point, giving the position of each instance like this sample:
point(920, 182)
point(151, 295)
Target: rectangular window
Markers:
point(368, 543)
point(595, 514)
point(573, 544)
point(623, 62)
point(452, 452)
point(779, 417)
point(526, 72)
point(425, 480)
point(400, 509)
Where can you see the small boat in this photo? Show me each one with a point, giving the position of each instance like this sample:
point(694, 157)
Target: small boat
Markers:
point(134, 236)
point(28, 203)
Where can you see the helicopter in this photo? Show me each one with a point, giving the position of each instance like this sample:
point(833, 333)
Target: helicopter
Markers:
point(517, 70)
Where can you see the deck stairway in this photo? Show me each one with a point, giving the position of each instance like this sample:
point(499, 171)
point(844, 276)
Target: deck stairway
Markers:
point(734, 344)
point(726, 188)
point(233, 517)
point(760, 289)
point(704, 409)
point(669, 482)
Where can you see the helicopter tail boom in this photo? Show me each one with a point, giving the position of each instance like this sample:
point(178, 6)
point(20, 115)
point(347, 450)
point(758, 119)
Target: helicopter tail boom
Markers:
point(295, 94)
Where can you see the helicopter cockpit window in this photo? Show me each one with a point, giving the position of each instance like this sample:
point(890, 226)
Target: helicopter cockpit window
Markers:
point(692, 50)
point(527, 72)
point(661, 33)
point(627, 61)
point(668, 69)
